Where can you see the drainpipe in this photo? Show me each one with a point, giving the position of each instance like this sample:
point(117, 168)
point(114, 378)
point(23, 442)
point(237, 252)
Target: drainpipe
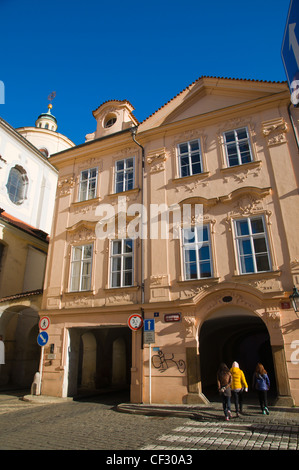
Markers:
point(134, 132)
point(293, 125)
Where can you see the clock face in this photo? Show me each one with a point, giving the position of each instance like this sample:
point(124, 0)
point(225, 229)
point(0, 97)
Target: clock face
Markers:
point(135, 322)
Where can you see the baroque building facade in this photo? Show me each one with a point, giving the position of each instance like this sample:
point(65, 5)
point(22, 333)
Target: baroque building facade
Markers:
point(217, 287)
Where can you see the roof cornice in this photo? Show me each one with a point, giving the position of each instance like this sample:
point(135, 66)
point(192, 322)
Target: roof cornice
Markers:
point(217, 115)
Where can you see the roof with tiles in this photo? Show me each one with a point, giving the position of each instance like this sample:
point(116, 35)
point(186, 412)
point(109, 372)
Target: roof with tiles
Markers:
point(23, 226)
point(210, 78)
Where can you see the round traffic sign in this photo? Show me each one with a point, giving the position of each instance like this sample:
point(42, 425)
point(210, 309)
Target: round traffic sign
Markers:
point(44, 323)
point(135, 322)
point(42, 338)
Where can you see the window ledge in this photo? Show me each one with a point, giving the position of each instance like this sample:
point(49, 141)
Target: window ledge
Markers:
point(260, 275)
point(130, 191)
point(243, 166)
point(79, 292)
point(182, 179)
point(86, 202)
point(121, 289)
point(204, 280)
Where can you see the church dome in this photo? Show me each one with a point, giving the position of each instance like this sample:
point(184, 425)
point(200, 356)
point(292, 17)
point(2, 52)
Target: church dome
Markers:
point(47, 120)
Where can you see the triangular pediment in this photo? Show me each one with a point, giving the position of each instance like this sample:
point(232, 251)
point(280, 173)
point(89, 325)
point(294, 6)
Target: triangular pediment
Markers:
point(208, 94)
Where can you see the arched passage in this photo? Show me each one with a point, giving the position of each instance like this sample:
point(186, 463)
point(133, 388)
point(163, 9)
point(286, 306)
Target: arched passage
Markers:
point(99, 360)
point(233, 334)
point(19, 328)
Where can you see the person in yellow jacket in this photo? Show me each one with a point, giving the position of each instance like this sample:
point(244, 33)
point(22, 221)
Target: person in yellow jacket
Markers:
point(238, 385)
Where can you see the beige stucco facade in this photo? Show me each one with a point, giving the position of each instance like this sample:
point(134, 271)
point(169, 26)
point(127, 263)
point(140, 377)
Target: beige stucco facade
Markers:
point(22, 267)
point(228, 146)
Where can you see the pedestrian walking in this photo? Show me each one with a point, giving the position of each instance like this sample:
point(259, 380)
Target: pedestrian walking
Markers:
point(261, 383)
point(224, 379)
point(238, 386)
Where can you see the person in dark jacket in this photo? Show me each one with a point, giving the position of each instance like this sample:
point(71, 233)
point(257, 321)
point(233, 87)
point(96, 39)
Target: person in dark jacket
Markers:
point(224, 380)
point(261, 384)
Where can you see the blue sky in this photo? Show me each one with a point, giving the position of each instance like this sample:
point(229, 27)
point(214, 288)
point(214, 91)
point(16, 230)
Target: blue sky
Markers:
point(90, 51)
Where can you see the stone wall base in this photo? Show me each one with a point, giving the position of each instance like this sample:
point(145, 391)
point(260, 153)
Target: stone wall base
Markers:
point(195, 398)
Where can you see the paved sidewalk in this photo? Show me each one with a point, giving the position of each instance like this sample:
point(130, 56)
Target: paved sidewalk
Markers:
point(213, 412)
point(206, 428)
point(210, 412)
point(106, 423)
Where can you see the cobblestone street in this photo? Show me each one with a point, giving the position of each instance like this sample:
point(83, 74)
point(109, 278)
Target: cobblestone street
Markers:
point(76, 425)
point(97, 425)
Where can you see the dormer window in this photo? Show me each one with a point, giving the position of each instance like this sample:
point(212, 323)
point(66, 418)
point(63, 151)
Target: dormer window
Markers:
point(110, 120)
point(44, 151)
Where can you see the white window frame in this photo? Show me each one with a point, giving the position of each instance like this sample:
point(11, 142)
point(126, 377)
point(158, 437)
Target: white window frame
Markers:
point(125, 172)
point(81, 263)
point(121, 256)
point(251, 237)
point(196, 246)
point(88, 182)
point(237, 142)
point(189, 154)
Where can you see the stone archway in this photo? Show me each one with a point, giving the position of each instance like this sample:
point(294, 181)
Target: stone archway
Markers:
point(19, 328)
point(234, 334)
point(99, 359)
point(266, 319)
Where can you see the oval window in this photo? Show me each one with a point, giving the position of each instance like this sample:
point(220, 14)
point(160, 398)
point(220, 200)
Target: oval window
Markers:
point(17, 185)
point(44, 151)
point(110, 121)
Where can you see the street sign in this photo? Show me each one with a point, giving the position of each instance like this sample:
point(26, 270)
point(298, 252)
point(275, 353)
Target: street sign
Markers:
point(135, 322)
point(44, 323)
point(172, 317)
point(149, 324)
point(290, 49)
point(42, 338)
point(149, 331)
point(149, 337)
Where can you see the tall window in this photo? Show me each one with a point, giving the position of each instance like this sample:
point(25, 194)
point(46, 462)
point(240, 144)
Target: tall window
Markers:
point(197, 252)
point(88, 184)
point(81, 268)
point(121, 263)
point(237, 147)
point(124, 175)
point(190, 161)
point(17, 185)
point(252, 245)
